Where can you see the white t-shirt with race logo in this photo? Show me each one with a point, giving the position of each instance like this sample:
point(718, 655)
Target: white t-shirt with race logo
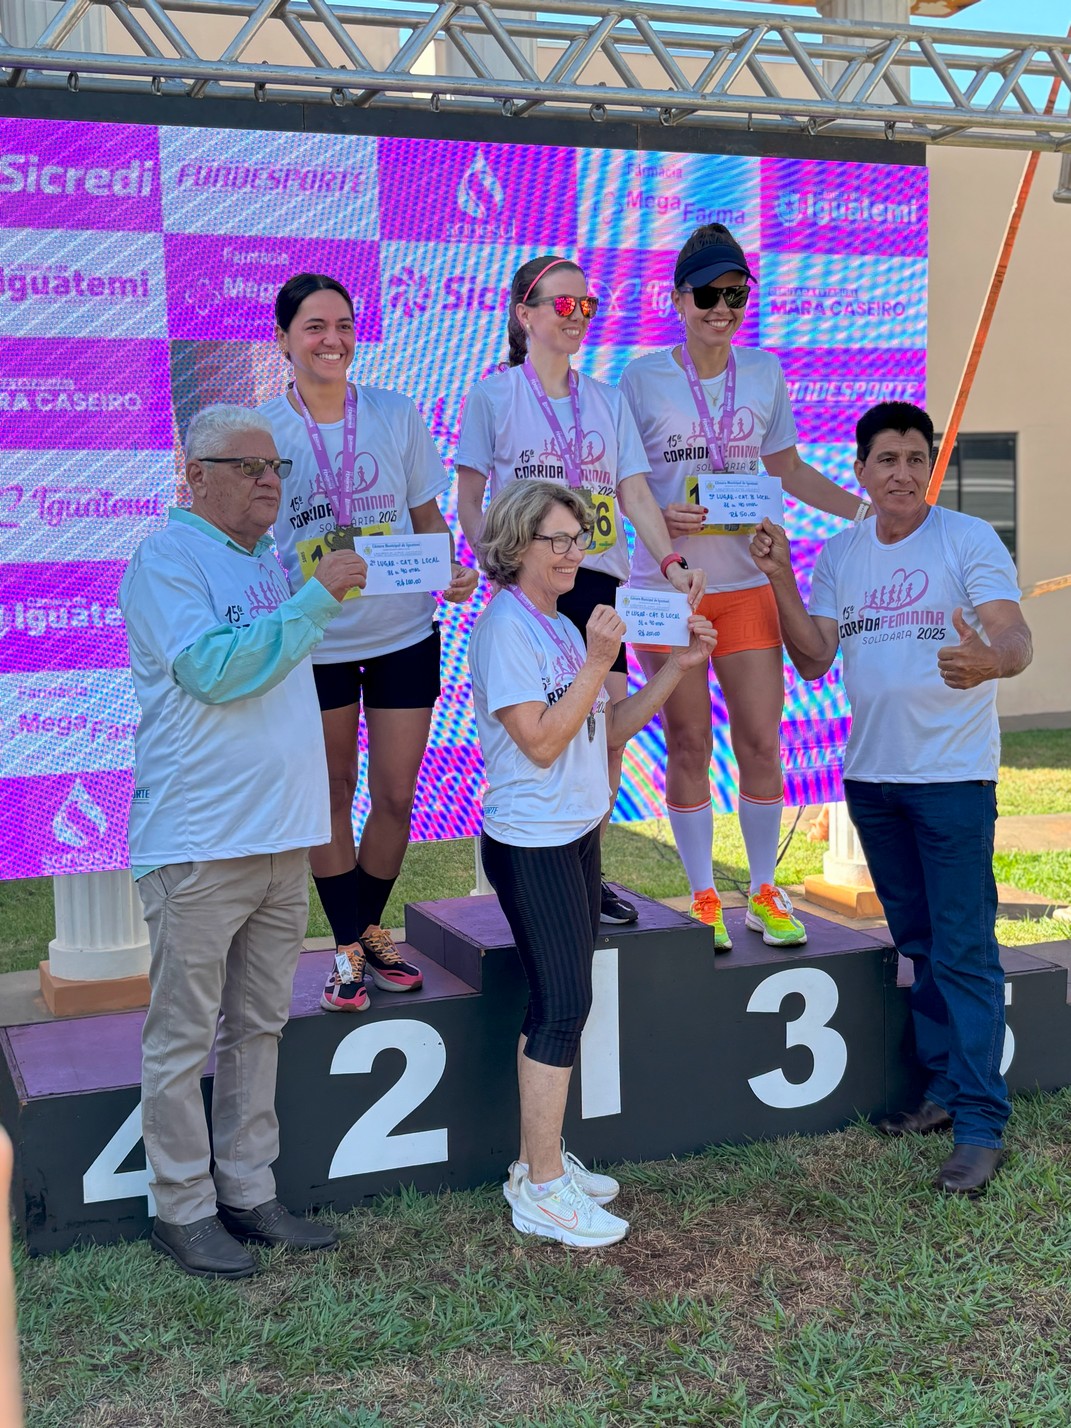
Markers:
point(504, 435)
point(513, 660)
point(658, 394)
point(397, 467)
point(215, 780)
point(893, 606)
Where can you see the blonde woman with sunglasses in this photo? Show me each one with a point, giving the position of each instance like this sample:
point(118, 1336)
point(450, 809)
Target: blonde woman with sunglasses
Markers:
point(703, 407)
point(537, 418)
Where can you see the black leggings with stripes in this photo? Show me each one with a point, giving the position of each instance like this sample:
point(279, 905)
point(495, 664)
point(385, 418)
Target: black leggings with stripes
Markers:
point(551, 898)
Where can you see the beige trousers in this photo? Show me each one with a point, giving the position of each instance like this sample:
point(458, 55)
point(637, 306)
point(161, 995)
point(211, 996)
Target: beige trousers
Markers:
point(225, 938)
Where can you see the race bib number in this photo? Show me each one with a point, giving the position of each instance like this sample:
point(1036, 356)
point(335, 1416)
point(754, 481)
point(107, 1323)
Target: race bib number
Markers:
point(311, 552)
point(603, 517)
point(691, 496)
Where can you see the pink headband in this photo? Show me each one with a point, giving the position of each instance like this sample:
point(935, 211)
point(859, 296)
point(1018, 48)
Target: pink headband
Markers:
point(552, 264)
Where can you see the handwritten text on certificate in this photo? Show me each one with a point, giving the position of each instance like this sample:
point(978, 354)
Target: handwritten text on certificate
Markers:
point(733, 499)
point(402, 565)
point(654, 617)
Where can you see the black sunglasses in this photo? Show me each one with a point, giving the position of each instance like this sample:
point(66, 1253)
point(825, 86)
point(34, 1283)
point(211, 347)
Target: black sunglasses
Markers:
point(708, 296)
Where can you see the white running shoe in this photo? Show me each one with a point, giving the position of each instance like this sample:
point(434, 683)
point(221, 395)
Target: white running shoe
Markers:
point(600, 1188)
point(566, 1214)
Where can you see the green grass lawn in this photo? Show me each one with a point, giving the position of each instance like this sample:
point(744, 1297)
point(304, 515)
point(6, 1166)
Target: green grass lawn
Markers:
point(801, 1282)
point(794, 1284)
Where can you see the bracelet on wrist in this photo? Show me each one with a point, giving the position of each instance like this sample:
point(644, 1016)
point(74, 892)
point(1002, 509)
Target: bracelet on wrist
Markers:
point(673, 558)
point(862, 512)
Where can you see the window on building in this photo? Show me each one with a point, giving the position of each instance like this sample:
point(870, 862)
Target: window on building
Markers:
point(981, 481)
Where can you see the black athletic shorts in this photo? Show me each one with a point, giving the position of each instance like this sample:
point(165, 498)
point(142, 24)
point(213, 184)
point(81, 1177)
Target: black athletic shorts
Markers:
point(403, 679)
point(593, 587)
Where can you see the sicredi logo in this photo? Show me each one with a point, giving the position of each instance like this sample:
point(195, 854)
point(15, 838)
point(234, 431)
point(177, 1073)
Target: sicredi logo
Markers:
point(29, 173)
point(409, 292)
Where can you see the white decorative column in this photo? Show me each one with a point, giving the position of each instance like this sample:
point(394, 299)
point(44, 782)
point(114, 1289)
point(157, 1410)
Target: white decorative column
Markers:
point(99, 957)
point(845, 885)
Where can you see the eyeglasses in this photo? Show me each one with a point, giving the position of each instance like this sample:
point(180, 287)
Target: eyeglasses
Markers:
point(251, 465)
point(565, 305)
point(561, 543)
point(708, 295)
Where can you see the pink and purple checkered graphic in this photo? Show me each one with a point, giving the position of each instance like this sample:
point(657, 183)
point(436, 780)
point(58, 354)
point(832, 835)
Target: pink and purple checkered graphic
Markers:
point(138, 271)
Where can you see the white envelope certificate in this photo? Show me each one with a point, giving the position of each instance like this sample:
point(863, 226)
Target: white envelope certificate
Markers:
point(654, 617)
point(402, 565)
point(740, 500)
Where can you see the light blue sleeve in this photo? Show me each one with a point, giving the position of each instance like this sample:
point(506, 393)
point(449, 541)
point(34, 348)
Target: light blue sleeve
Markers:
point(225, 664)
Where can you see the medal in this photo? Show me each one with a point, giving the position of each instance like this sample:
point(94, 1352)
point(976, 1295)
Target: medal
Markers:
point(717, 441)
point(336, 486)
point(567, 648)
point(570, 453)
point(342, 537)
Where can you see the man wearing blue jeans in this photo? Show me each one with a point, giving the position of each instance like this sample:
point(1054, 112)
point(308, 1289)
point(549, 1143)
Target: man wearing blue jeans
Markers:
point(924, 606)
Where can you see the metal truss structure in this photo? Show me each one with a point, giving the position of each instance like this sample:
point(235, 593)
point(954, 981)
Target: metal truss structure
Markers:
point(653, 64)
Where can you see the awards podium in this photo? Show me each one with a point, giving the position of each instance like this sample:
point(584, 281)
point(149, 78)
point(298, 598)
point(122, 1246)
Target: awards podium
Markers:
point(681, 1050)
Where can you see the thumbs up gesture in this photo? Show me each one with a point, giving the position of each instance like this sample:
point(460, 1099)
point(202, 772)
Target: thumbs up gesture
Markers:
point(970, 662)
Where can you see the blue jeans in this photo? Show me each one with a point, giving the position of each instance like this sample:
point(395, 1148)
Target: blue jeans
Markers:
point(930, 851)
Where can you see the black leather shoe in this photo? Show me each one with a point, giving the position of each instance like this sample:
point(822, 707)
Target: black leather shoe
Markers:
point(203, 1248)
point(928, 1118)
point(273, 1224)
point(968, 1170)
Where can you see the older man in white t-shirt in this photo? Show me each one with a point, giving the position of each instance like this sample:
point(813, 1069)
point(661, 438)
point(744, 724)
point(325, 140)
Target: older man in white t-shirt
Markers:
point(923, 604)
point(231, 791)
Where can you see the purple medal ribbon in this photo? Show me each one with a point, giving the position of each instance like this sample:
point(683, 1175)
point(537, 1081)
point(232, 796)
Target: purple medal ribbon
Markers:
point(717, 442)
point(337, 488)
point(566, 647)
point(574, 470)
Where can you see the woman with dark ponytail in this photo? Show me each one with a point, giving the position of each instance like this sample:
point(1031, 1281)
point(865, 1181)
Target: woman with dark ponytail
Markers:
point(538, 419)
point(364, 465)
point(705, 407)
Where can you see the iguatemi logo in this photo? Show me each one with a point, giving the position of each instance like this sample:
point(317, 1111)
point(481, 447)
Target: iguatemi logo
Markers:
point(59, 281)
point(794, 207)
point(410, 291)
point(78, 819)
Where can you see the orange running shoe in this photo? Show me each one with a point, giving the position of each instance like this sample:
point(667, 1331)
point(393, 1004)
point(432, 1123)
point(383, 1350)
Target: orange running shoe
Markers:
point(706, 908)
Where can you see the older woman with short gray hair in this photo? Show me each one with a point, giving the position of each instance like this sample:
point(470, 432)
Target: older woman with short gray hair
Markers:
point(545, 723)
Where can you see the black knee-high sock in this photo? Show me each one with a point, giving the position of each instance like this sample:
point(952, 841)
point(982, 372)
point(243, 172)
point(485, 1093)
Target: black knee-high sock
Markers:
point(372, 895)
point(339, 896)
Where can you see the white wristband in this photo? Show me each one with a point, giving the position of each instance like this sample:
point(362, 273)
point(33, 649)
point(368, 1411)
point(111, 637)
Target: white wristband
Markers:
point(862, 513)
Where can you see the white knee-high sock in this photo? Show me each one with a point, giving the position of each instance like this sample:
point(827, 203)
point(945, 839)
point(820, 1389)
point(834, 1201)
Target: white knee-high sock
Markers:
point(760, 823)
point(693, 832)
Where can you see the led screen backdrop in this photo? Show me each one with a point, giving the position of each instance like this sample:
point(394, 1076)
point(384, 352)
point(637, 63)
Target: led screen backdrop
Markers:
point(138, 268)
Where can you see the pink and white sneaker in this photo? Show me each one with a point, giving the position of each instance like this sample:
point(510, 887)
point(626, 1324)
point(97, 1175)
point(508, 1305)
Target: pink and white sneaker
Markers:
point(345, 990)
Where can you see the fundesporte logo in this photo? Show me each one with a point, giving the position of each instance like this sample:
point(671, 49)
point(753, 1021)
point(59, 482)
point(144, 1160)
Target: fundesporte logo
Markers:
point(79, 819)
point(479, 193)
point(410, 291)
